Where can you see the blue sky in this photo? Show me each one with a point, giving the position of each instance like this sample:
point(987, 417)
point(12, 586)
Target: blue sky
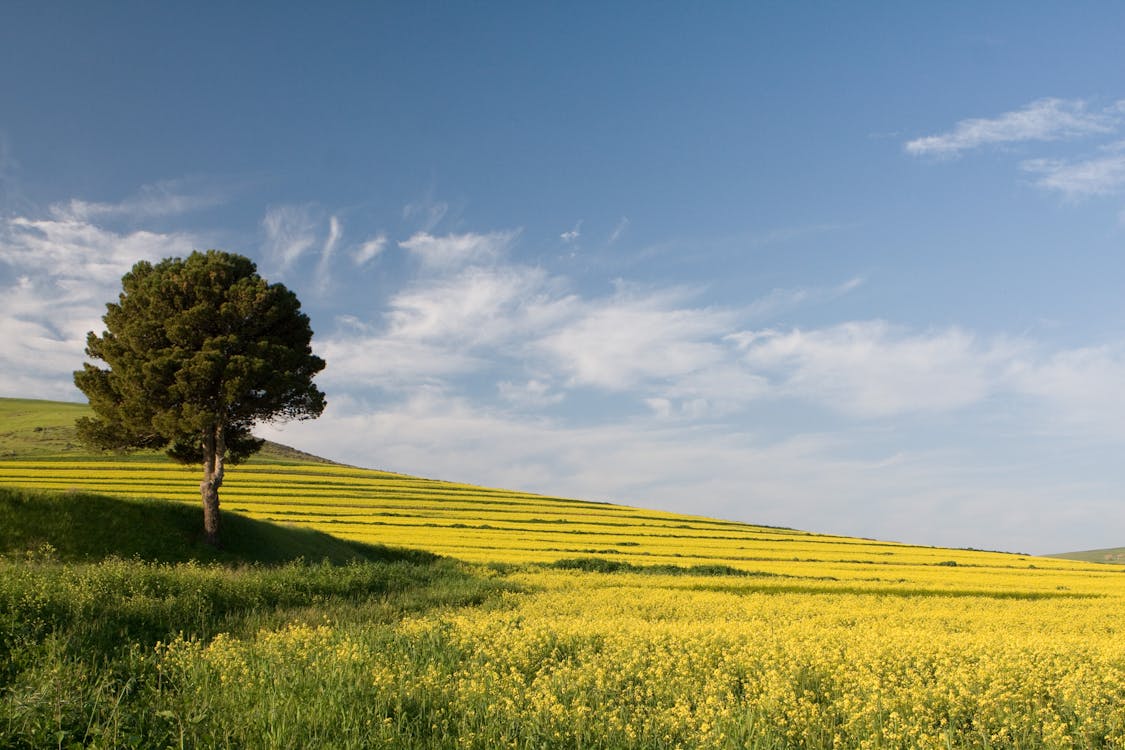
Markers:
point(851, 268)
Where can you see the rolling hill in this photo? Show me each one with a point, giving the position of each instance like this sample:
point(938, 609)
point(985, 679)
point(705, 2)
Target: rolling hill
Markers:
point(1112, 555)
point(476, 524)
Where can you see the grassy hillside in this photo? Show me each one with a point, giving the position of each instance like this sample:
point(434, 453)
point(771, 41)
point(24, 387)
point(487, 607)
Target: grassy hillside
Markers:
point(35, 428)
point(1111, 555)
point(483, 524)
point(38, 428)
point(84, 526)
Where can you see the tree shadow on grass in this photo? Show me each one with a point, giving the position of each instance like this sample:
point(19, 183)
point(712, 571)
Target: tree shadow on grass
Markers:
point(86, 527)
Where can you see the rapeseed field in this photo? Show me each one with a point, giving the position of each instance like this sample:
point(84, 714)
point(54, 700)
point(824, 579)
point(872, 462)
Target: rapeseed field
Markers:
point(599, 626)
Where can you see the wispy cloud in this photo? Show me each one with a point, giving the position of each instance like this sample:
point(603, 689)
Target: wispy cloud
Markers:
point(290, 232)
point(476, 306)
point(1099, 175)
point(324, 265)
point(166, 198)
point(872, 369)
point(1042, 120)
point(78, 250)
point(370, 249)
point(425, 214)
point(618, 230)
point(781, 300)
point(1079, 388)
point(634, 337)
point(369, 360)
point(57, 276)
point(572, 235)
point(452, 251)
point(533, 394)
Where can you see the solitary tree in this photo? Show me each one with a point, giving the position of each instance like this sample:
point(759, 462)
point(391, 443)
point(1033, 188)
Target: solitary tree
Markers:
point(198, 351)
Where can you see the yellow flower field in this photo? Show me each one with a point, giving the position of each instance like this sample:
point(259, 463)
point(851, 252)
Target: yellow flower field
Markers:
point(747, 636)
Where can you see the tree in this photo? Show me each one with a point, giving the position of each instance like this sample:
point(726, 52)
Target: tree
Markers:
point(199, 350)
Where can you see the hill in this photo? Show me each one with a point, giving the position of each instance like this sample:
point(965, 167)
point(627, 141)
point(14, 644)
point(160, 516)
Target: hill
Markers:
point(471, 523)
point(32, 427)
point(1111, 555)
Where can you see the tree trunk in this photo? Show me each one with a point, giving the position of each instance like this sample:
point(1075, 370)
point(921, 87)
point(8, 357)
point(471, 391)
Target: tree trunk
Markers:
point(214, 448)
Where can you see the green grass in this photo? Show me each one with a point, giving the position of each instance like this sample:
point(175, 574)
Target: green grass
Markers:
point(83, 527)
point(91, 585)
point(37, 428)
point(82, 665)
point(32, 428)
point(1111, 555)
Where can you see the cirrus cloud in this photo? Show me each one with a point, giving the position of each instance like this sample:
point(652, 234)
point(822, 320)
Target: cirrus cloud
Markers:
point(1047, 119)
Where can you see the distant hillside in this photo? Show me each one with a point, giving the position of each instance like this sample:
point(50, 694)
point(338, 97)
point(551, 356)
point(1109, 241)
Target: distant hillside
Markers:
point(34, 428)
point(1112, 555)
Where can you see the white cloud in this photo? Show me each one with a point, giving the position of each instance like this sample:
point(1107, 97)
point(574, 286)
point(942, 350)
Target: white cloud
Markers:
point(425, 214)
point(62, 274)
point(1100, 175)
point(871, 369)
point(370, 249)
point(712, 392)
point(324, 266)
point(780, 300)
point(572, 235)
point(533, 394)
point(291, 231)
point(74, 249)
point(166, 198)
point(1080, 388)
point(619, 230)
point(335, 231)
point(633, 337)
point(478, 306)
point(507, 316)
point(444, 326)
point(375, 361)
point(452, 251)
point(1042, 120)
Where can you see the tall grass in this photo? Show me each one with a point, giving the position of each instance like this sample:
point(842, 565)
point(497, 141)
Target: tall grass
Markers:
point(80, 661)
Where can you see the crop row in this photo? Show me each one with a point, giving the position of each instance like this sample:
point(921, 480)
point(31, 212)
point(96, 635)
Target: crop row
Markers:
point(491, 525)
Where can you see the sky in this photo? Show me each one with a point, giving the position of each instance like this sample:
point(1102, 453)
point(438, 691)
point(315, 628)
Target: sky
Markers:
point(853, 268)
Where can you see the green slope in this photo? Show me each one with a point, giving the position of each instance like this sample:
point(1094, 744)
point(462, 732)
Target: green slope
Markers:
point(38, 428)
point(31, 428)
point(84, 526)
point(1111, 555)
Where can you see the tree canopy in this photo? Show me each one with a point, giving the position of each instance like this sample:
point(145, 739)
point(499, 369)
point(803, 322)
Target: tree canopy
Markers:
point(198, 351)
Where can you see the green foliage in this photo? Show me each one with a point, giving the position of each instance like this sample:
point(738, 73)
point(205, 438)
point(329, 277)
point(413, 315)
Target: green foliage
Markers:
point(603, 565)
point(194, 345)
